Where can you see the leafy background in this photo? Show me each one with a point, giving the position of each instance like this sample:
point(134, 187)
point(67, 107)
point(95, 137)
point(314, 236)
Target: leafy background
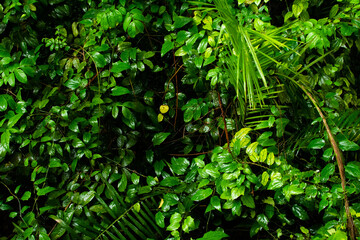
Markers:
point(153, 119)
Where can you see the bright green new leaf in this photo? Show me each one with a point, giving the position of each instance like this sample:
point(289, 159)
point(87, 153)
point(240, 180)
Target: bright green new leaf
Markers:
point(317, 143)
point(86, 197)
point(188, 224)
point(175, 220)
point(353, 169)
point(26, 196)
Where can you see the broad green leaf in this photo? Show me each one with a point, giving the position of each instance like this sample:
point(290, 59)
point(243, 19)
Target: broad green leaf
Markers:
point(202, 45)
point(214, 235)
point(353, 169)
point(119, 67)
point(73, 83)
point(263, 155)
point(170, 182)
point(159, 138)
point(327, 171)
point(179, 165)
point(202, 194)
point(166, 47)
point(300, 212)
point(215, 202)
point(26, 196)
point(175, 220)
point(86, 197)
point(119, 91)
point(263, 221)
point(3, 103)
point(99, 59)
point(290, 190)
point(248, 201)
point(323, 204)
point(347, 145)
point(250, 150)
point(45, 190)
point(188, 224)
point(135, 178)
point(20, 75)
point(180, 21)
point(14, 119)
point(123, 183)
point(317, 143)
point(339, 235)
point(77, 143)
point(264, 178)
point(275, 184)
point(159, 219)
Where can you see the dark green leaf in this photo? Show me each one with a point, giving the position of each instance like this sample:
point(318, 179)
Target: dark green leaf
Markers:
point(353, 169)
point(327, 171)
point(248, 201)
point(181, 21)
point(300, 212)
point(263, 221)
point(3, 103)
point(316, 143)
point(99, 59)
point(179, 165)
point(159, 138)
point(175, 220)
point(170, 182)
point(202, 194)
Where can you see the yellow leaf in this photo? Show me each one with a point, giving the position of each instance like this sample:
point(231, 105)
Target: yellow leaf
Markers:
point(164, 109)
point(160, 117)
point(161, 203)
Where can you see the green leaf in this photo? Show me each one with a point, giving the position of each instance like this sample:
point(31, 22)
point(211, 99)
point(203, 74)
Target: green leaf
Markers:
point(347, 145)
point(300, 212)
point(119, 91)
point(175, 220)
point(339, 235)
point(119, 67)
point(73, 83)
point(170, 182)
point(188, 224)
point(26, 196)
point(20, 75)
point(166, 47)
point(86, 197)
point(179, 165)
point(180, 21)
point(3, 103)
point(77, 143)
point(248, 201)
point(159, 138)
point(123, 183)
point(99, 59)
point(45, 190)
point(202, 46)
point(202, 194)
point(316, 143)
point(353, 169)
point(263, 221)
point(14, 119)
point(215, 202)
point(214, 235)
point(159, 219)
point(327, 171)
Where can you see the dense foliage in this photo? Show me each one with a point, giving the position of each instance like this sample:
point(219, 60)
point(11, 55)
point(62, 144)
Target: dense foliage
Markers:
point(152, 119)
